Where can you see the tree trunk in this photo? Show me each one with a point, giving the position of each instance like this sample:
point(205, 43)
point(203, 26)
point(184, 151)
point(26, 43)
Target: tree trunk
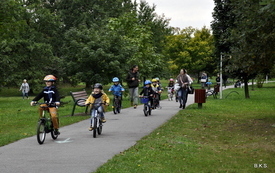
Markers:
point(88, 84)
point(199, 77)
point(246, 91)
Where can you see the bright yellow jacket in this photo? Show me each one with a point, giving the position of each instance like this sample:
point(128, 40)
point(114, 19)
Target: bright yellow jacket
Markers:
point(104, 98)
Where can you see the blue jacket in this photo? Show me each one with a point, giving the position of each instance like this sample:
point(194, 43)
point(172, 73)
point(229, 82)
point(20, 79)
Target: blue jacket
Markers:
point(116, 90)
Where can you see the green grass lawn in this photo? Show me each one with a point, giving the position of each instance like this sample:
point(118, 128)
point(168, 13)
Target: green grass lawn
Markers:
point(229, 135)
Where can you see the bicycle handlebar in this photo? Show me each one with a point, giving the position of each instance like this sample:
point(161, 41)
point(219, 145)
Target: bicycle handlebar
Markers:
point(97, 104)
point(47, 104)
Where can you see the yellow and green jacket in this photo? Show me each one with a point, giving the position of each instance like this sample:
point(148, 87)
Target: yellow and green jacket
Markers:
point(104, 99)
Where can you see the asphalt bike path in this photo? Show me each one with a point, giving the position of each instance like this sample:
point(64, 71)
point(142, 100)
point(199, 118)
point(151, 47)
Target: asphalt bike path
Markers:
point(75, 150)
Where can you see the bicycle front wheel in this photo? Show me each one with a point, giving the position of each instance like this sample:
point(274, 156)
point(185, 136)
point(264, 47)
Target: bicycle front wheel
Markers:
point(145, 110)
point(41, 133)
point(95, 127)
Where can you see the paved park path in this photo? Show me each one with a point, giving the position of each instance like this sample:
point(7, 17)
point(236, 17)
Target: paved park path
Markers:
point(76, 150)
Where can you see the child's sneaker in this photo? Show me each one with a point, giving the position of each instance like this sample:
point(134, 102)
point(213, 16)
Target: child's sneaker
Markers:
point(56, 132)
point(91, 128)
point(103, 120)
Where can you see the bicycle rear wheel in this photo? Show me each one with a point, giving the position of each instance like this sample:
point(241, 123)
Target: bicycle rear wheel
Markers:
point(99, 129)
point(118, 106)
point(115, 106)
point(41, 133)
point(95, 127)
point(149, 110)
point(54, 136)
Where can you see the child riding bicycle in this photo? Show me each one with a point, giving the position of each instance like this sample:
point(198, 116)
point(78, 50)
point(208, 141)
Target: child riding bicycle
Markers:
point(117, 89)
point(157, 91)
point(50, 95)
point(170, 89)
point(98, 97)
point(147, 90)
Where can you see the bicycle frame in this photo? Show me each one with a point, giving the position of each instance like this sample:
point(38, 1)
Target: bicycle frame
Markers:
point(116, 104)
point(95, 116)
point(96, 120)
point(156, 98)
point(170, 91)
point(45, 124)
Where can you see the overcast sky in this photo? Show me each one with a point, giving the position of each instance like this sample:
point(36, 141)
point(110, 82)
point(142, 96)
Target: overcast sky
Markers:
point(184, 13)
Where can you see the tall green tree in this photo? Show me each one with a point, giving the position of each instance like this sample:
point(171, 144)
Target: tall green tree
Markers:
point(224, 21)
point(26, 51)
point(252, 33)
point(125, 39)
point(191, 49)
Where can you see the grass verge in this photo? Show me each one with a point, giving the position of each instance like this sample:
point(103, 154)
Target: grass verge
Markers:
point(229, 135)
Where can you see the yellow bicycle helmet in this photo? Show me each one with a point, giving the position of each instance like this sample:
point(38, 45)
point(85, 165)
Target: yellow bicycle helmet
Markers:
point(154, 80)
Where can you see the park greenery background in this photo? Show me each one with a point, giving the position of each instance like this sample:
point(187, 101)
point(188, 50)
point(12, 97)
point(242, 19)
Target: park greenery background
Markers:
point(84, 42)
point(93, 41)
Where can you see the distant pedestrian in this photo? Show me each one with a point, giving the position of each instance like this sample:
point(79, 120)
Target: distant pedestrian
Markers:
point(25, 88)
point(218, 79)
point(203, 80)
point(133, 83)
point(208, 83)
point(184, 83)
point(224, 80)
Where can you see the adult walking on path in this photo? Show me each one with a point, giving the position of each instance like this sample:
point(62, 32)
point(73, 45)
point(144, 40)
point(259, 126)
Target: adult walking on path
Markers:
point(184, 83)
point(25, 88)
point(133, 83)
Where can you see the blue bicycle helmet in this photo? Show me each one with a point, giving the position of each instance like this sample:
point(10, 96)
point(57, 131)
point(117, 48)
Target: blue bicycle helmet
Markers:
point(115, 79)
point(147, 82)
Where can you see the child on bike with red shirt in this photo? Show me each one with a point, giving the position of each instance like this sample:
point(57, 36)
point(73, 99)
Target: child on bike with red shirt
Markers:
point(97, 97)
point(50, 95)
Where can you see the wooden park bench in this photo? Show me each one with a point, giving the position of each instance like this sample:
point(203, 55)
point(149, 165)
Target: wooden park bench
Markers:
point(213, 92)
point(79, 99)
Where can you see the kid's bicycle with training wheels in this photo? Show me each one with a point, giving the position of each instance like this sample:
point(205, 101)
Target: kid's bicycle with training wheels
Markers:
point(45, 124)
point(116, 104)
point(96, 120)
point(146, 106)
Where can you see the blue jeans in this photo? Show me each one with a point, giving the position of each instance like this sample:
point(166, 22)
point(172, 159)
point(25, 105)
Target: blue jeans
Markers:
point(25, 94)
point(134, 95)
point(182, 95)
